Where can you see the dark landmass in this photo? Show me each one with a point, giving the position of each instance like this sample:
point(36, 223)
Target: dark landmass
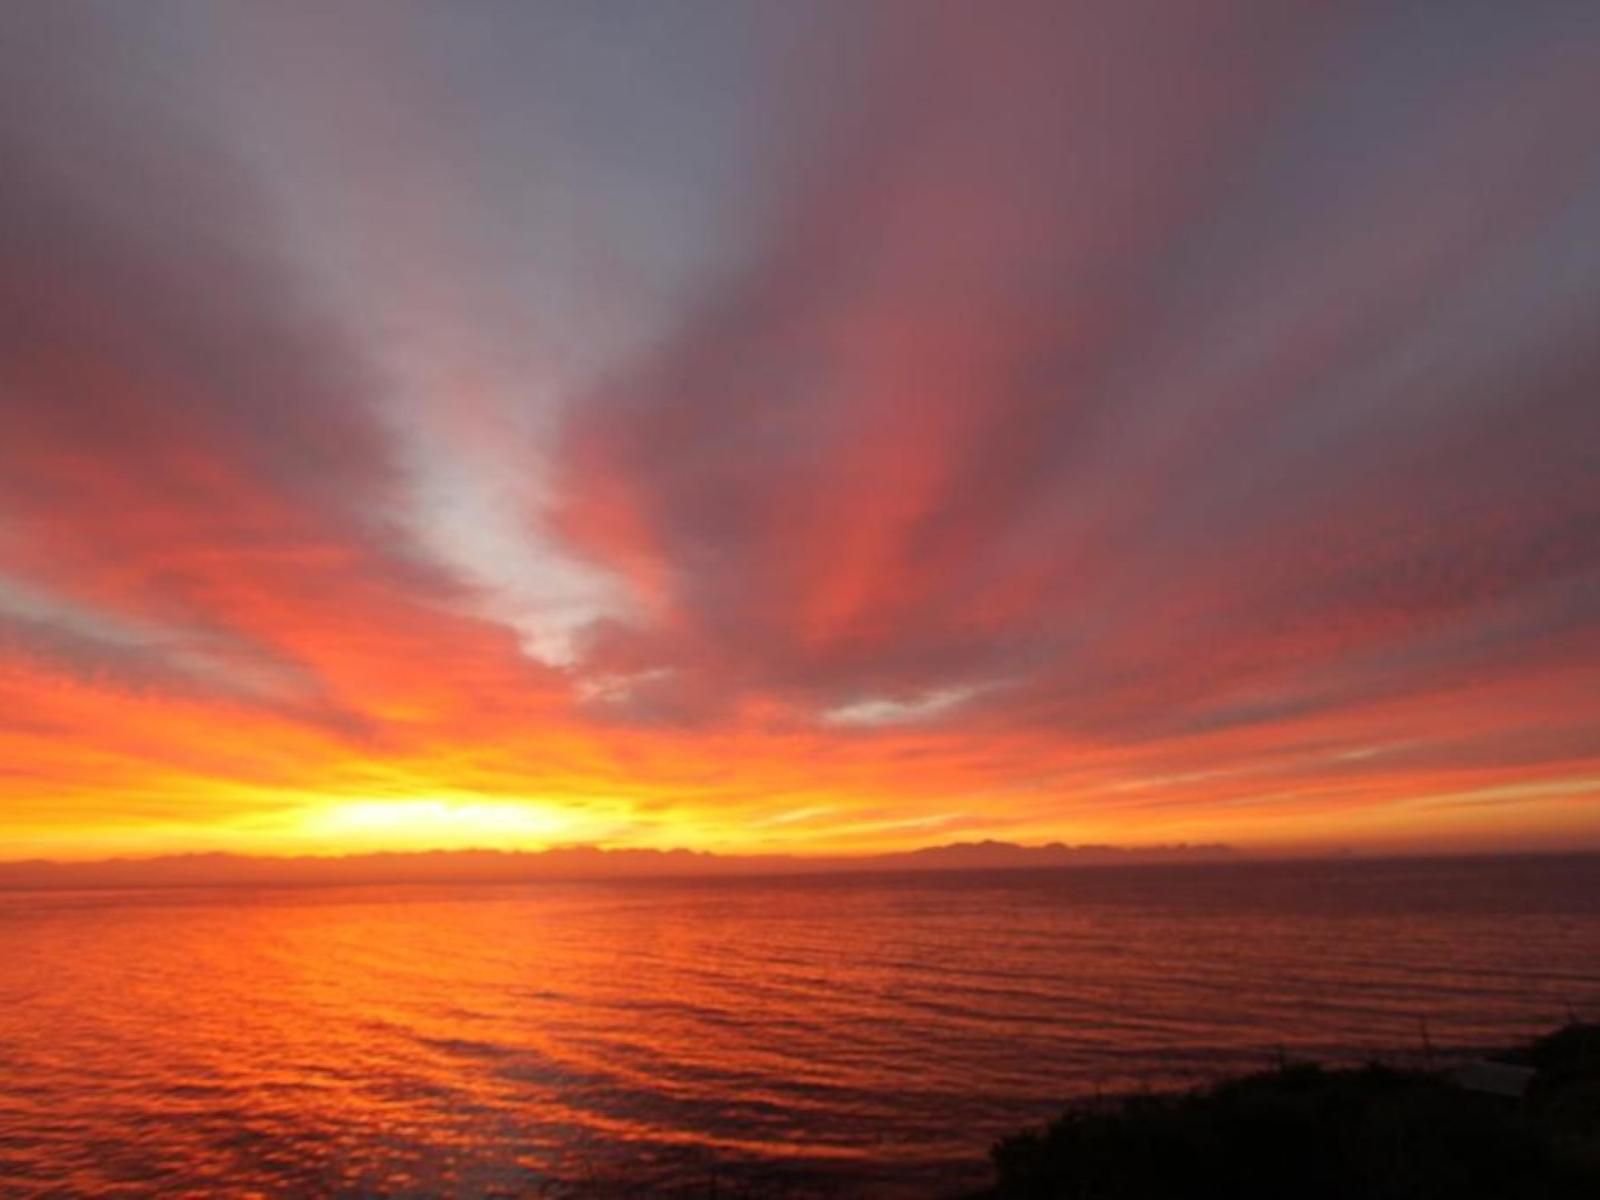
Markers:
point(1303, 1131)
point(567, 863)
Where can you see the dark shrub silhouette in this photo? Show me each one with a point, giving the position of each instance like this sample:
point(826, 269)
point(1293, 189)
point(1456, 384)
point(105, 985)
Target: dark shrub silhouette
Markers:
point(1310, 1133)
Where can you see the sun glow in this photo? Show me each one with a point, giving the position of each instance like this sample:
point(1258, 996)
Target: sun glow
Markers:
point(825, 470)
point(436, 823)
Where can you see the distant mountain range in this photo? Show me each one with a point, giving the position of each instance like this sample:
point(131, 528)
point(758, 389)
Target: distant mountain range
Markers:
point(565, 863)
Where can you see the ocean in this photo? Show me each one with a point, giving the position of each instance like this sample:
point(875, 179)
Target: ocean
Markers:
point(809, 1036)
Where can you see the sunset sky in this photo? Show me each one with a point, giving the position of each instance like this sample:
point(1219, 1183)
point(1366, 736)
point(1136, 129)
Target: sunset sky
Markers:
point(819, 427)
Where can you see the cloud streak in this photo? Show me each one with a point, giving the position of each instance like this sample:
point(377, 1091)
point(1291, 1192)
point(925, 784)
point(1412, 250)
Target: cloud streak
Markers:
point(1127, 422)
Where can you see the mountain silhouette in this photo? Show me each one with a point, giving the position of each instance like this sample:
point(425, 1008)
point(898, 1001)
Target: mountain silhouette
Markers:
point(562, 863)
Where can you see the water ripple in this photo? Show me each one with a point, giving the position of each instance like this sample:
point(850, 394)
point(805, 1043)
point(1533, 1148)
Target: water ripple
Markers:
point(843, 1036)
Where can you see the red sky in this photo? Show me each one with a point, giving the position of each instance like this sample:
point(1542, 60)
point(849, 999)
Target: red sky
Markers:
point(815, 427)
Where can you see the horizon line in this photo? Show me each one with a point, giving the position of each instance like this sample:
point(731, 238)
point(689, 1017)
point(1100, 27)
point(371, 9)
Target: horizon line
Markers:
point(59, 875)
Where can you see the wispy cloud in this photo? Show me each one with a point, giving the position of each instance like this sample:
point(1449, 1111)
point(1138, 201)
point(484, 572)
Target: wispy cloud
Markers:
point(683, 425)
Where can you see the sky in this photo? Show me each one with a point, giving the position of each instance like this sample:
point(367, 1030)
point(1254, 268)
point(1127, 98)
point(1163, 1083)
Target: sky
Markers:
point(820, 427)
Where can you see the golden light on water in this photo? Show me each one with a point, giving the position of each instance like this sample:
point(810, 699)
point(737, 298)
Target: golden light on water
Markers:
point(787, 467)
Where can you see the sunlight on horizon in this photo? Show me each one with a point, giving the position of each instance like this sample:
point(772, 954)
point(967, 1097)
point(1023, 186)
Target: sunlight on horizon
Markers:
point(402, 446)
point(439, 823)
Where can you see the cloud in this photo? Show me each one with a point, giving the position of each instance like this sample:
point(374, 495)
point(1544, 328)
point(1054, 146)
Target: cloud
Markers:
point(970, 414)
point(1086, 419)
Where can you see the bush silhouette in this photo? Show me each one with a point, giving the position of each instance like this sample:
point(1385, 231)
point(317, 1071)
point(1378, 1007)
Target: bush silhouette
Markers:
point(1316, 1134)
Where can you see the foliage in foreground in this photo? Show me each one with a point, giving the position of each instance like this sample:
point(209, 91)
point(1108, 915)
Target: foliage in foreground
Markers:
point(1312, 1133)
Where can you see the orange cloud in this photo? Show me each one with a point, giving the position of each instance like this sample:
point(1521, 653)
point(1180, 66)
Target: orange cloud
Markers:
point(1174, 425)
